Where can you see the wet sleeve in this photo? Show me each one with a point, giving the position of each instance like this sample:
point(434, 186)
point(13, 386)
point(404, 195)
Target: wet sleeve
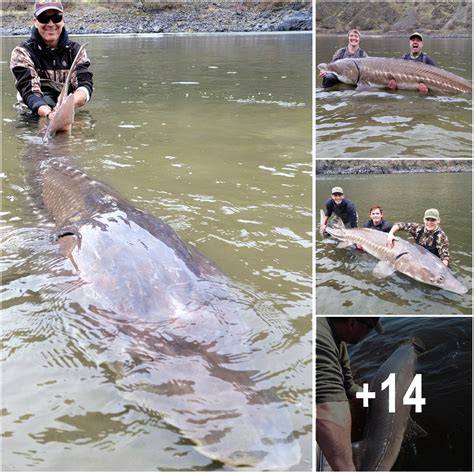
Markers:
point(442, 245)
point(409, 227)
point(329, 208)
point(350, 386)
point(387, 226)
point(83, 77)
point(330, 386)
point(27, 80)
point(352, 212)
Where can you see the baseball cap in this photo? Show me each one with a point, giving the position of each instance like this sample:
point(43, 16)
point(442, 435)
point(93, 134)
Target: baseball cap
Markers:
point(433, 213)
point(43, 5)
point(372, 323)
point(416, 34)
point(337, 189)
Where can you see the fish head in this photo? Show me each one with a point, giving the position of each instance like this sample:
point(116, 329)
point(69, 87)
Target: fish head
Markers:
point(346, 70)
point(432, 271)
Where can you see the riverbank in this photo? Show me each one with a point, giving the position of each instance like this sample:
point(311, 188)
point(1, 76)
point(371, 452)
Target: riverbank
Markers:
point(338, 167)
point(204, 17)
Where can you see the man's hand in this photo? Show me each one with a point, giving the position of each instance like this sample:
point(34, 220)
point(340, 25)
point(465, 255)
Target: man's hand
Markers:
point(322, 229)
point(44, 110)
point(333, 434)
point(390, 239)
point(423, 88)
point(322, 73)
point(392, 84)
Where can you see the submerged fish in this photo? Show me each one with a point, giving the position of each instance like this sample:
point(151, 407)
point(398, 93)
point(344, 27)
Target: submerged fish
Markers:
point(377, 72)
point(168, 323)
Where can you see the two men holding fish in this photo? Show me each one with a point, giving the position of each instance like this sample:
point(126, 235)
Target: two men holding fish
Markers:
point(41, 63)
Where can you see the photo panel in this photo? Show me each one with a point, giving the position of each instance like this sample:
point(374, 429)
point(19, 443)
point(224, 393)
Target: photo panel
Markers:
point(394, 393)
point(426, 271)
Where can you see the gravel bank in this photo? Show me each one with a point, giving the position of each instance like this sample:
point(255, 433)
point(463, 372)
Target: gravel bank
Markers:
point(206, 17)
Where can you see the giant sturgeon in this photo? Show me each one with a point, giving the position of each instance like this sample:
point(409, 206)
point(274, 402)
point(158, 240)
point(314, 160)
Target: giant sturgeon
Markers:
point(384, 431)
point(410, 259)
point(377, 72)
point(164, 320)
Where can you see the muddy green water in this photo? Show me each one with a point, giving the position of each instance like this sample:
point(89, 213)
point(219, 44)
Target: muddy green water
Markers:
point(211, 133)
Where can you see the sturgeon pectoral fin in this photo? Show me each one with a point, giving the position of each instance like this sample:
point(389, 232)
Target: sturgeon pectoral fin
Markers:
point(67, 244)
point(414, 431)
point(383, 269)
point(344, 245)
point(363, 86)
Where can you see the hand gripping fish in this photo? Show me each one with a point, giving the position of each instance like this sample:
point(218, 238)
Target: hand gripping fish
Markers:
point(64, 110)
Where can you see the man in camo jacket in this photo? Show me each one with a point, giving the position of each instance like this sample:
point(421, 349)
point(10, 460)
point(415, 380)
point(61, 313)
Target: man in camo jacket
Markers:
point(40, 65)
point(430, 235)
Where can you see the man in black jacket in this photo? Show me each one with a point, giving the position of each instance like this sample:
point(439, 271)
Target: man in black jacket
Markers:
point(342, 207)
point(41, 63)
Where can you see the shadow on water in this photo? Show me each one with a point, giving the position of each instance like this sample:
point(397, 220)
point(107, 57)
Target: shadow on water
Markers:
point(446, 368)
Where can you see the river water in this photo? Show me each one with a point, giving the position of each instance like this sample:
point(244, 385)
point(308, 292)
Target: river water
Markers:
point(394, 124)
point(211, 133)
point(446, 368)
point(345, 283)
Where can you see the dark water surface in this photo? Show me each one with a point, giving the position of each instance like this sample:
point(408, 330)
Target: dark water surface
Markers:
point(446, 368)
point(345, 282)
point(395, 124)
point(212, 134)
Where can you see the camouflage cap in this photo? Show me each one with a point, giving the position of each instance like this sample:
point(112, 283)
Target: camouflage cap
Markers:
point(416, 34)
point(432, 213)
point(372, 323)
point(337, 189)
point(43, 5)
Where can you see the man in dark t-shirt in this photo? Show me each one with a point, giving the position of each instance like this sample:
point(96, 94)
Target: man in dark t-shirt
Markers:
point(342, 207)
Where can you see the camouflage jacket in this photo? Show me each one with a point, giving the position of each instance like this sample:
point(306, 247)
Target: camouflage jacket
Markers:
point(436, 242)
point(35, 67)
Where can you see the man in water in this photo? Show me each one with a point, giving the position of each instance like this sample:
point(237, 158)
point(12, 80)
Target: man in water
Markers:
point(335, 386)
point(352, 50)
point(377, 221)
point(429, 235)
point(415, 54)
point(40, 65)
point(341, 207)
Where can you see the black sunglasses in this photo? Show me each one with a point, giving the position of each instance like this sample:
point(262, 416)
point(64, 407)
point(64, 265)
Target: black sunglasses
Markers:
point(44, 19)
point(337, 194)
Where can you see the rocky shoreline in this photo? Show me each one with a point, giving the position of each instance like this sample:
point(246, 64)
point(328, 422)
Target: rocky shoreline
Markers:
point(203, 17)
point(339, 167)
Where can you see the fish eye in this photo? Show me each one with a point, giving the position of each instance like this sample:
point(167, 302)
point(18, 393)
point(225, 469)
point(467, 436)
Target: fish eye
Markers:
point(440, 279)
